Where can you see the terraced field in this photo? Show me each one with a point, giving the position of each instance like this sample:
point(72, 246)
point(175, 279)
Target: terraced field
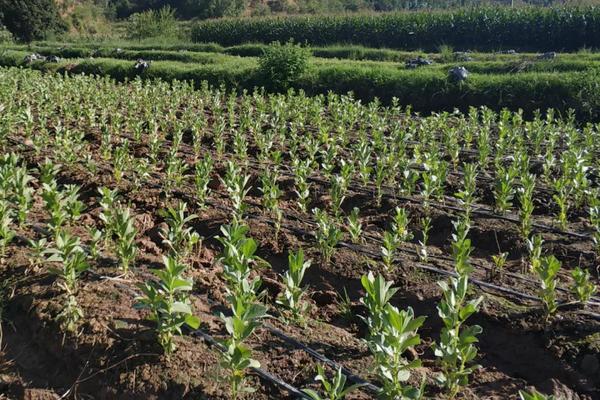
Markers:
point(515, 81)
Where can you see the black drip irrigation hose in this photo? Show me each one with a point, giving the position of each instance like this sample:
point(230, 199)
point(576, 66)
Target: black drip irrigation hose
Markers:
point(486, 213)
point(447, 273)
point(483, 284)
point(365, 384)
point(315, 354)
point(375, 239)
point(214, 343)
point(378, 256)
point(477, 209)
point(351, 376)
point(423, 266)
point(414, 166)
point(211, 341)
point(361, 249)
point(257, 164)
point(445, 258)
point(439, 271)
point(258, 371)
point(514, 275)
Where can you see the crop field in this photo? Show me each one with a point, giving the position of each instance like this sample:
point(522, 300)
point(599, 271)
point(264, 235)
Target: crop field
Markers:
point(479, 28)
point(165, 241)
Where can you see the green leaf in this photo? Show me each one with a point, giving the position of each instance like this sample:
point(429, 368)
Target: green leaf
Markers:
point(192, 321)
point(312, 394)
point(180, 307)
point(181, 285)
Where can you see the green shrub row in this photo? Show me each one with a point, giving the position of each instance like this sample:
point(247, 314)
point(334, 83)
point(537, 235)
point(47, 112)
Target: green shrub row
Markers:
point(485, 64)
point(154, 55)
point(352, 52)
point(243, 50)
point(234, 73)
point(477, 67)
point(135, 45)
point(184, 52)
point(517, 67)
point(427, 90)
point(534, 29)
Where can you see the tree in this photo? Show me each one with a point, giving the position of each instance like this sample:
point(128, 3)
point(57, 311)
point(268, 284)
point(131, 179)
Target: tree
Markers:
point(186, 9)
point(221, 8)
point(31, 19)
point(152, 24)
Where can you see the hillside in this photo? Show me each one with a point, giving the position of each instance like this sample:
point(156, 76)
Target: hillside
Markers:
point(86, 17)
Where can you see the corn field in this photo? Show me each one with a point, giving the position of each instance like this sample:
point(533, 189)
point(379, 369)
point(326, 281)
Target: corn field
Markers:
point(162, 241)
point(481, 28)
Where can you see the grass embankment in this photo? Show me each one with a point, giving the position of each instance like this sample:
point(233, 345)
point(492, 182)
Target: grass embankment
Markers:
point(483, 63)
point(426, 89)
point(182, 51)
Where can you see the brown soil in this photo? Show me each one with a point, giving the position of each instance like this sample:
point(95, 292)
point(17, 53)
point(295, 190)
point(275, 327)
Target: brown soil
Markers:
point(114, 354)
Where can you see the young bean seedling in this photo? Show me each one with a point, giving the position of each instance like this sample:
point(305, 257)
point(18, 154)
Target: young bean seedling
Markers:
point(168, 302)
point(125, 232)
point(546, 271)
point(179, 239)
point(354, 226)
point(328, 234)
point(69, 254)
point(291, 297)
point(425, 227)
point(535, 395)
point(335, 389)
point(583, 289)
point(455, 349)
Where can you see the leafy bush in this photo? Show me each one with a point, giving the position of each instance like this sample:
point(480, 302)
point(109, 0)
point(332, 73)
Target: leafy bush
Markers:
point(31, 20)
point(152, 24)
point(282, 64)
point(222, 8)
point(5, 35)
point(590, 103)
point(88, 20)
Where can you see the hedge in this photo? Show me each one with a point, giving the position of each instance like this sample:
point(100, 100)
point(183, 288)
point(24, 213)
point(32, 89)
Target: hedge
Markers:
point(154, 55)
point(188, 52)
point(485, 64)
